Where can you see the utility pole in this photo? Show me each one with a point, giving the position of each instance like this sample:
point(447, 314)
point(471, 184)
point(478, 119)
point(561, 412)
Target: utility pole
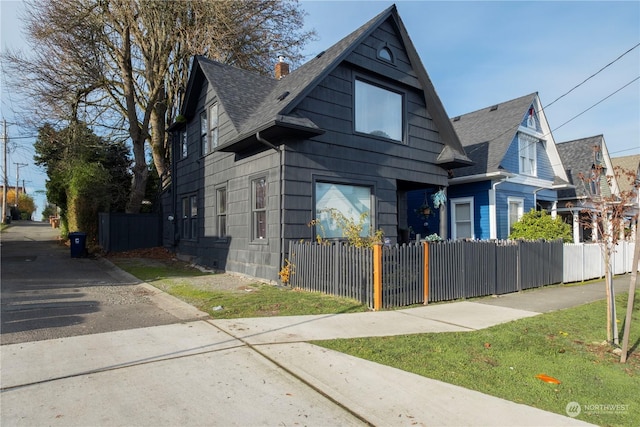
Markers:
point(5, 181)
point(18, 166)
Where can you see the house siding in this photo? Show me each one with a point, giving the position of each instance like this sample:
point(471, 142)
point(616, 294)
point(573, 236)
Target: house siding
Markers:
point(480, 193)
point(342, 156)
point(503, 192)
point(338, 155)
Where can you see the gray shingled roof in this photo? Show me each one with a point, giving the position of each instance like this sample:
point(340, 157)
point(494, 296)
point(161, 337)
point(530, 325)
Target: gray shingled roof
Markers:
point(486, 134)
point(628, 163)
point(578, 157)
point(256, 102)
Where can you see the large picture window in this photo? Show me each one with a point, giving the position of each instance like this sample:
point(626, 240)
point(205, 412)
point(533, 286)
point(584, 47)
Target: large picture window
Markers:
point(349, 200)
point(378, 111)
point(259, 209)
point(462, 218)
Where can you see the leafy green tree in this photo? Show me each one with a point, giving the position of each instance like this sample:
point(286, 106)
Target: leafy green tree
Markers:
point(536, 225)
point(86, 174)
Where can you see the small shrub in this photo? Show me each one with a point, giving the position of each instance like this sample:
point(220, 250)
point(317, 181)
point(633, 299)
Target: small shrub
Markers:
point(536, 225)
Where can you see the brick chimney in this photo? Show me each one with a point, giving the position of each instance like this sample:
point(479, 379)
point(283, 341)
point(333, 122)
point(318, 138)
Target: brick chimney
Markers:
point(282, 68)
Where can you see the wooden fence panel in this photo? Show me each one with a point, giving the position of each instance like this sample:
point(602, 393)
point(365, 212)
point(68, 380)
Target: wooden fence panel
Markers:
point(446, 271)
point(479, 268)
point(456, 269)
point(507, 267)
point(402, 275)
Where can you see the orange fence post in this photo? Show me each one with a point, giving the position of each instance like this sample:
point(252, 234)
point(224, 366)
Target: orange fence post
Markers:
point(377, 276)
point(425, 245)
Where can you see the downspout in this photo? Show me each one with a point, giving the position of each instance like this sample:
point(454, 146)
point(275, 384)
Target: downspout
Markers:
point(280, 191)
point(174, 196)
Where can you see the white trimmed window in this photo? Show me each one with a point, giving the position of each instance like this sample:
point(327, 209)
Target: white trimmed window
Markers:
point(183, 143)
point(527, 154)
point(378, 111)
point(259, 209)
point(213, 127)
point(516, 210)
point(462, 218)
point(349, 200)
point(203, 133)
point(222, 211)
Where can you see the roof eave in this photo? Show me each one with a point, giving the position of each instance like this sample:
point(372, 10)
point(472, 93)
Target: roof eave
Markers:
point(481, 177)
point(275, 131)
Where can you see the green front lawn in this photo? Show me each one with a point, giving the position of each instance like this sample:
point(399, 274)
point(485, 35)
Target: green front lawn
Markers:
point(504, 361)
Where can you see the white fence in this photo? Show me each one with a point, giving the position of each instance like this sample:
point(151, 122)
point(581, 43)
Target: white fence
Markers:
point(584, 261)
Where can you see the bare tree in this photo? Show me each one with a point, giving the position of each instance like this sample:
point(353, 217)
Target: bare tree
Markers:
point(608, 216)
point(123, 64)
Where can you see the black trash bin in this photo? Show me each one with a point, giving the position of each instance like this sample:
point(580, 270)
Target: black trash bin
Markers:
point(78, 241)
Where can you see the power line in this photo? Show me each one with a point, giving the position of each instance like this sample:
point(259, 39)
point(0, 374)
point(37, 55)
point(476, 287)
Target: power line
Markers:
point(590, 77)
point(602, 100)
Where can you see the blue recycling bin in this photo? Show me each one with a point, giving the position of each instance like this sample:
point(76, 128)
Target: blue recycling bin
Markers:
point(78, 241)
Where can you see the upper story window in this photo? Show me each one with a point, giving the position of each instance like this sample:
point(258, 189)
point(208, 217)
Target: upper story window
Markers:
point(378, 111)
point(213, 127)
point(203, 133)
point(527, 154)
point(209, 129)
point(385, 54)
point(183, 144)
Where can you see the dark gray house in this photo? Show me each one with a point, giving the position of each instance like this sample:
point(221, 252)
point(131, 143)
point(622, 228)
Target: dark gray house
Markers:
point(257, 158)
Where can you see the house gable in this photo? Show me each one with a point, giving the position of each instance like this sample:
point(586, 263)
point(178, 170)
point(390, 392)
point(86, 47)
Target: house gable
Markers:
point(282, 142)
point(265, 103)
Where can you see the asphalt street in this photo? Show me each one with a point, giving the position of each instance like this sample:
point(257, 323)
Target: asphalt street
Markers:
point(47, 294)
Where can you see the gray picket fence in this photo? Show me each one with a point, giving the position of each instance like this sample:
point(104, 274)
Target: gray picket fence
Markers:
point(456, 269)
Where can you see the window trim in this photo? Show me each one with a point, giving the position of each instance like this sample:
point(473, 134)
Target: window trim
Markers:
point(193, 203)
point(222, 214)
point(189, 217)
point(255, 212)
point(213, 126)
point(388, 88)
point(184, 144)
point(520, 202)
point(526, 154)
point(454, 225)
point(327, 180)
point(204, 127)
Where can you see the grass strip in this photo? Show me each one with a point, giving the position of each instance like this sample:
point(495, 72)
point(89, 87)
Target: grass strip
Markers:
point(255, 300)
point(504, 361)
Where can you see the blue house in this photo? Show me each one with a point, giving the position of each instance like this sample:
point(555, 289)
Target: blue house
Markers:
point(516, 168)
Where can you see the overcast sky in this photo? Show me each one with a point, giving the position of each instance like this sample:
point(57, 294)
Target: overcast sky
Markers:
point(477, 54)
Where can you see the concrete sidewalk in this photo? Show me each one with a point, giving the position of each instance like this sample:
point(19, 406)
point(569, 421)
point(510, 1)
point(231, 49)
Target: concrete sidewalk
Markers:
point(249, 372)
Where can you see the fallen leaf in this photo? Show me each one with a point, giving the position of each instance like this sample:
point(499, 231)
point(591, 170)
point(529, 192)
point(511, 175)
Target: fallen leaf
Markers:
point(547, 379)
point(487, 345)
